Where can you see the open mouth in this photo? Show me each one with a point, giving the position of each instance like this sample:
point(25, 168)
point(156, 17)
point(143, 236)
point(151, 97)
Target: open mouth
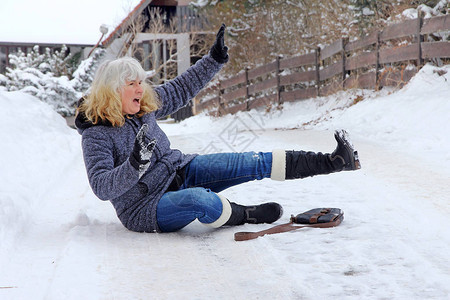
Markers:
point(136, 100)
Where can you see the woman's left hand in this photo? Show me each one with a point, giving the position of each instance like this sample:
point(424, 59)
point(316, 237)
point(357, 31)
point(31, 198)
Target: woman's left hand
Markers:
point(142, 151)
point(219, 51)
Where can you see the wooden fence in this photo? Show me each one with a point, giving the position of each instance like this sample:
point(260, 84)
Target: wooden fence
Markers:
point(387, 58)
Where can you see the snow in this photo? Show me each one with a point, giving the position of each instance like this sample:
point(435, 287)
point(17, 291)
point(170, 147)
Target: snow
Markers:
point(58, 241)
point(428, 11)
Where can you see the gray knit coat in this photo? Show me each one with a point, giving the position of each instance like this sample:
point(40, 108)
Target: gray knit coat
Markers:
point(106, 151)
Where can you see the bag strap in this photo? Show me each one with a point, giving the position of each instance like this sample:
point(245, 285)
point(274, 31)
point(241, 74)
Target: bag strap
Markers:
point(245, 236)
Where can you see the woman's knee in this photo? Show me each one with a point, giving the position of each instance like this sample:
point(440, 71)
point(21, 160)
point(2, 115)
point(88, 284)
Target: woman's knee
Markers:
point(182, 207)
point(205, 198)
point(195, 199)
point(208, 204)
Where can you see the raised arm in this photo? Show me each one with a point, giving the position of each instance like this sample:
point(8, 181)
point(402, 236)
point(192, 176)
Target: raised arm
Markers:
point(178, 92)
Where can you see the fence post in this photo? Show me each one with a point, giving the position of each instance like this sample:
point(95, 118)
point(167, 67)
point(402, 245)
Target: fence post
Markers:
point(317, 65)
point(247, 94)
point(419, 38)
point(344, 41)
point(377, 63)
point(221, 106)
point(278, 81)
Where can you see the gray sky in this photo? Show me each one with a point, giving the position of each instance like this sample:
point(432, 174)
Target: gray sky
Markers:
point(60, 21)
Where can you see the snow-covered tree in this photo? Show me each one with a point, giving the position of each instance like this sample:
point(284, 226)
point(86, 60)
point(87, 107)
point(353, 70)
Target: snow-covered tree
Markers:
point(84, 74)
point(47, 76)
point(3, 82)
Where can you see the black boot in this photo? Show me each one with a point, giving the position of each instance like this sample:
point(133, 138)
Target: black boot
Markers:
point(345, 153)
point(264, 213)
point(301, 164)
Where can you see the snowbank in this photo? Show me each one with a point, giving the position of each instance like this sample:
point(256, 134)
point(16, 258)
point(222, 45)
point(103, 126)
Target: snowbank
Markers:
point(43, 179)
point(36, 147)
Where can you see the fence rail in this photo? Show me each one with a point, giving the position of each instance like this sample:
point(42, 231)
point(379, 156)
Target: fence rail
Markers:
point(386, 58)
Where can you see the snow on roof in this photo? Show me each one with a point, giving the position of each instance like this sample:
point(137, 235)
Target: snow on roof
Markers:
point(64, 22)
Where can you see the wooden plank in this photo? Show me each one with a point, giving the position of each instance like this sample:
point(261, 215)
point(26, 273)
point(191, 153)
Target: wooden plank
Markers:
point(351, 82)
point(233, 95)
point(435, 24)
point(436, 50)
point(406, 28)
point(298, 77)
point(262, 70)
point(207, 91)
point(331, 88)
point(359, 61)
point(331, 71)
point(236, 108)
point(264, 85)
point(221, 110)
point(362, 43)
point(410, 52)
point(331, 49)
point(397, 78)
point(361, 81)
point(233, 81)
point(199, 108)
point(298, 94)
point(206, 105)
point(214, 113)
point(263, 101)
point(408, 74)
point(204, 98)
point(298, 61)
point(367, 81)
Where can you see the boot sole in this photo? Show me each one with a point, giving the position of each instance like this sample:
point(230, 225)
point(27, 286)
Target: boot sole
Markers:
point(343, 137)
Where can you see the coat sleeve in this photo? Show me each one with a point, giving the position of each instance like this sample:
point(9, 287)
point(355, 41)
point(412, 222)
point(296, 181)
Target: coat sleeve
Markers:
point(107, 182)
point(177, 93)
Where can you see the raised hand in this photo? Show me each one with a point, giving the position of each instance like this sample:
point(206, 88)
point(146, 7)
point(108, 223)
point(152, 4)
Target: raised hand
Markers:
point(219, 51)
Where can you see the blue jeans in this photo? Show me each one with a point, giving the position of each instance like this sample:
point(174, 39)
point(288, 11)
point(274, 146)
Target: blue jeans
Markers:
point(207, 175)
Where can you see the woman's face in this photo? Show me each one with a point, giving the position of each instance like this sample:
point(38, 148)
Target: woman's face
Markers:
point(131, 95)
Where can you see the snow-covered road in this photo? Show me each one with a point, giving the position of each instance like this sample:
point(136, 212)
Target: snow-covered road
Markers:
point(58, 241)
point(393, 242)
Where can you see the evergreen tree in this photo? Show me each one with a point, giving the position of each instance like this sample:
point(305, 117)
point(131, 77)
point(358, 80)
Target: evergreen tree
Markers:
point(46, 76)
point(59, 62)
point(83, 76)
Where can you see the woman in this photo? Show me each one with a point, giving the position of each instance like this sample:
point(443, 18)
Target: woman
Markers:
point(158, 189)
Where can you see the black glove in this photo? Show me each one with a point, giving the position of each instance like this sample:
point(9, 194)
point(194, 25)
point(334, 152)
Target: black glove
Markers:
point(219, 51)
point(142, 151)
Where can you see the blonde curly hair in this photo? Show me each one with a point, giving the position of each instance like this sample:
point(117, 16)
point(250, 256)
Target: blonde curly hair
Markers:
point(103, 101)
